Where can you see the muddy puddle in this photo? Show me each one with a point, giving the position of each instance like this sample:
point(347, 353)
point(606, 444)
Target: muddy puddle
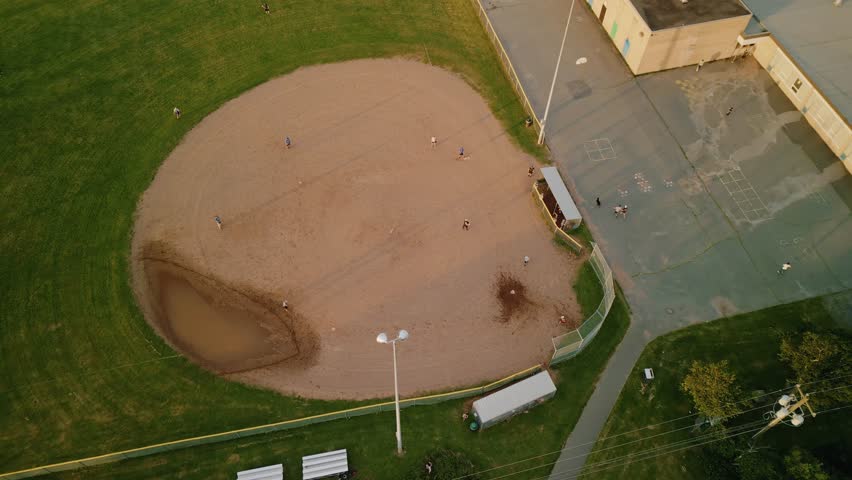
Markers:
point(218, 327)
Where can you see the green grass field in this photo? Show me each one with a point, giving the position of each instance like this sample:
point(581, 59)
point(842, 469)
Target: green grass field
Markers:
point(750, 343)
point(86, 92)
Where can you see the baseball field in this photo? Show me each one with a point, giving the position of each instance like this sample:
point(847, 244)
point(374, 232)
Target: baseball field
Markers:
point(359, 227)
point(93, 227)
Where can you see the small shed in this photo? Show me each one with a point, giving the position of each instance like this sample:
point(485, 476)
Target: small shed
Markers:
point(272, 472)
point(325, 464)
point(514, 399)
point(562, 207)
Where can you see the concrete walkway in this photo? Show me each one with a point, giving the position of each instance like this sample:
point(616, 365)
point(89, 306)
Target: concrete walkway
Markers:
point(717, 202)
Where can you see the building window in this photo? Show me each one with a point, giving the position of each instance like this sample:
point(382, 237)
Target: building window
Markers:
point(797, 85)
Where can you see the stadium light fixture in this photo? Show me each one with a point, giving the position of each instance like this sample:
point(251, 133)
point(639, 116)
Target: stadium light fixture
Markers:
point(383, 338)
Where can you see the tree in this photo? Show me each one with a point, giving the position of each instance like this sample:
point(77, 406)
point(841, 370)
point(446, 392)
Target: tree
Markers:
point(817, 356)
point(758, 466)
point(803, 465)
point(713, 389)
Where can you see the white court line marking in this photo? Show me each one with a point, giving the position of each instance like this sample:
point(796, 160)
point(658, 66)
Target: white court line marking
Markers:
point(744, 195)
point(599, 149)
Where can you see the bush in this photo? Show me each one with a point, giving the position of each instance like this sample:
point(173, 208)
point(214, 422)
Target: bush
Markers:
point(758, 466)
point(446, 465)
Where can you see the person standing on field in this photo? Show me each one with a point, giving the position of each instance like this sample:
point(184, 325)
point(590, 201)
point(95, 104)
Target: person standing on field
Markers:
point(434, 142)
point(526, 260)
point(265, 7)
point(287, 142)
point(466, 224)
point(177, 112)
point(218, 222)
point(461, 153)
point(530, 171)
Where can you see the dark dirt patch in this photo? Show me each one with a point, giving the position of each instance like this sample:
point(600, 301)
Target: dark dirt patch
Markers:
point(512, 295)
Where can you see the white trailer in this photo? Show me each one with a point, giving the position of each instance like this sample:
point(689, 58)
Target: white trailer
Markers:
point(512, 400)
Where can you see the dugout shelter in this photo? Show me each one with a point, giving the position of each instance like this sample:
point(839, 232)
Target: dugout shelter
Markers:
point(558, 200)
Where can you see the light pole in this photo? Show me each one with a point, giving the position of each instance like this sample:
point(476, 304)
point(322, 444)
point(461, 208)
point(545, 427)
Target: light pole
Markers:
point(383, 338)
point(555, 73)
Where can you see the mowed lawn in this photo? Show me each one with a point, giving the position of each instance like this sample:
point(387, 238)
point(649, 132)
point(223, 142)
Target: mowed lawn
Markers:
point(86, 93)
point(751, 344)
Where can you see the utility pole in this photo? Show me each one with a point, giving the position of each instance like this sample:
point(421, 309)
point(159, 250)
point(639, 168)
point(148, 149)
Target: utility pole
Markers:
point(555, 73)
point(788, 410)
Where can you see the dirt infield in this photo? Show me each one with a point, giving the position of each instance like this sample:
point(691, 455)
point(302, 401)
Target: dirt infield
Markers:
point(359, 227)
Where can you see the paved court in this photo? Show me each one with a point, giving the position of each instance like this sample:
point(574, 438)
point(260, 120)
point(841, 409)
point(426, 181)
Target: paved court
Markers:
point(717, 202)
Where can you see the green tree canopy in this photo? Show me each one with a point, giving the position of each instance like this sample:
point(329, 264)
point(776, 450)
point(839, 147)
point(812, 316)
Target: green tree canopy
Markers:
point(802, 465)
point(713, 388)
point(818, 356)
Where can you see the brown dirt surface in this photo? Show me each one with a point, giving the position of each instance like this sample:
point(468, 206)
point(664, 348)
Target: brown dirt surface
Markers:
point(512, 295)
point(358, 227)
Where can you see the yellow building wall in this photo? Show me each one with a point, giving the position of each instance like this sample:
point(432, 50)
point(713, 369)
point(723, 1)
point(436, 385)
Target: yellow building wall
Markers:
point(623, 23)
point(829, 125)
point(688, 45)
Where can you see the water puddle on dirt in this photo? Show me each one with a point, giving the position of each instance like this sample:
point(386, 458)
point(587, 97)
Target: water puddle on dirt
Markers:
point(218, 328)
point(221, 334)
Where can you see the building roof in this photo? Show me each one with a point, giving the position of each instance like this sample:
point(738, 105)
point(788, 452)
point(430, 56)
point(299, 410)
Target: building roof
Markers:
point(818, 37)
point(662, 14)
point(512, 398)
point(560, 193)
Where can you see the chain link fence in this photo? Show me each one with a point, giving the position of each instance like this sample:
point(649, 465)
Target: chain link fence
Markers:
point(262, 429)
point(570, 344)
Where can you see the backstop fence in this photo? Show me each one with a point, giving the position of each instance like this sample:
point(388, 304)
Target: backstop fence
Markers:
point(269, 428)
point(570, 344)
point(511, 74)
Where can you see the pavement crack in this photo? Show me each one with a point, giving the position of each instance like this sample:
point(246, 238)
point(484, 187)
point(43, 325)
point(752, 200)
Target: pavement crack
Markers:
point(678, 265)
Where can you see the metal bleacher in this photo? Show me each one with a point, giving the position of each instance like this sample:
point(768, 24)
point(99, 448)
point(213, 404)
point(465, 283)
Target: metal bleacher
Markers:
point(324, 465)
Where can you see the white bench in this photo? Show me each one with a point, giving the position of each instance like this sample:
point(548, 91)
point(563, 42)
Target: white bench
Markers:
point(272, 472)
point(324, 464)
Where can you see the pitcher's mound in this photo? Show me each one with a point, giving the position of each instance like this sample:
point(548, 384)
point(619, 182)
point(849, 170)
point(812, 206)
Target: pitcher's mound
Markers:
point(359, 227)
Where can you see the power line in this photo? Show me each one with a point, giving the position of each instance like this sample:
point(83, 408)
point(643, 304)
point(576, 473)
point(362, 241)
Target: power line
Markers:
point(498, 467)
point(679, 442)
point(619, 435)
point(830, 389)
point(826, 379)
point(565, 449)
point(742, 430)
point(606, 467)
